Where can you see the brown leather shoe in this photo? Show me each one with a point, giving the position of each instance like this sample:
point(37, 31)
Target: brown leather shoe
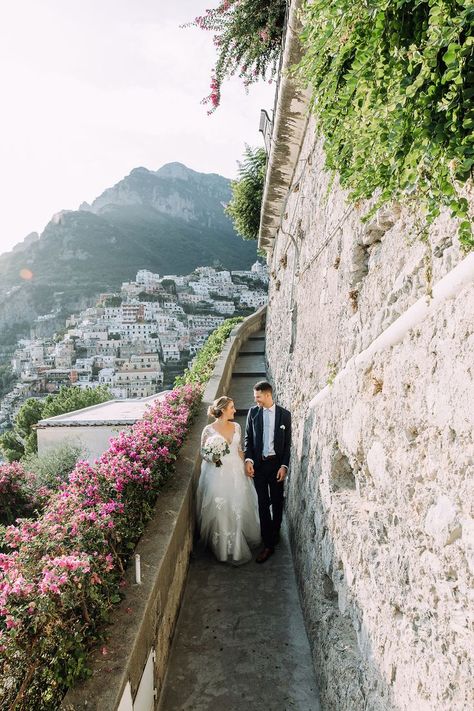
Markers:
point(264, 555)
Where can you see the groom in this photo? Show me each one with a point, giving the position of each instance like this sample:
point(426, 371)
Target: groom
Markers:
point(267, 458)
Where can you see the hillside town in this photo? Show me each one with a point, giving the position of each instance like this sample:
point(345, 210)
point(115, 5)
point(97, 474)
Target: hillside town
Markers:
point(136, 341)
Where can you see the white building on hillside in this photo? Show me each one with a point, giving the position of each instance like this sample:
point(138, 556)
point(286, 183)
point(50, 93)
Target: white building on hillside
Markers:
point(92, 427)
point(147, 279)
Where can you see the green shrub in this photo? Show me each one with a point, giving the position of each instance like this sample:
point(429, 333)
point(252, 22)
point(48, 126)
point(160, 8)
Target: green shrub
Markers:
point(22, 440)
point(54, 466)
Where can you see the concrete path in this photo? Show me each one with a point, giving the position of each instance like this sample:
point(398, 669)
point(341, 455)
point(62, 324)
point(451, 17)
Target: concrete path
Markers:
point(240, 642)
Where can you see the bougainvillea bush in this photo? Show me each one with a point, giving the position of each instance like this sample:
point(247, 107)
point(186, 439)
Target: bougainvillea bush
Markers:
point(62, 572)
point(247, 35)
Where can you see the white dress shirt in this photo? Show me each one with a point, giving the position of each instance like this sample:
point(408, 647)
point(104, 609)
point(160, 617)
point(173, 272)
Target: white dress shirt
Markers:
point(271, 421)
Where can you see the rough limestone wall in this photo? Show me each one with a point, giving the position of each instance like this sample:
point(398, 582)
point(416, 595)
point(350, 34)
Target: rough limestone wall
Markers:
point(380, 497)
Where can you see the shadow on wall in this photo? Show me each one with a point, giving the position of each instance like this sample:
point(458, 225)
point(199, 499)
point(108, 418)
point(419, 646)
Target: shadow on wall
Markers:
point(339, 640)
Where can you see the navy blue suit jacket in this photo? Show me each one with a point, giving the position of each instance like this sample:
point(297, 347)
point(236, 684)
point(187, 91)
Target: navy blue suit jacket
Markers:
point(254, 435)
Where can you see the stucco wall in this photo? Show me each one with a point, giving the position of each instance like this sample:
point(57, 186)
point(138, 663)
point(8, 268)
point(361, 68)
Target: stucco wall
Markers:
point(380, 496)
point(93, 440)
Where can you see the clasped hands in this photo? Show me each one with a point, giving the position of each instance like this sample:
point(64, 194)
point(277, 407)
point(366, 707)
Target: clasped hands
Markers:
point(250, 471)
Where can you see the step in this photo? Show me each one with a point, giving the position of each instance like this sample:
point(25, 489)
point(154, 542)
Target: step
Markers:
point(241, 413)
point(251, 374)
point(241, 390)
point(249, 363)
point(241, 419)
point(253, 347)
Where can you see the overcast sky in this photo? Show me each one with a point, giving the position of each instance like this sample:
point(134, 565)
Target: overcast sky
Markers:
point(94, 88)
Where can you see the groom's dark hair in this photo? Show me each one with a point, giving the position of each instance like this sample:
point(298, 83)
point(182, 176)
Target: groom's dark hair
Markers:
point(263, 386)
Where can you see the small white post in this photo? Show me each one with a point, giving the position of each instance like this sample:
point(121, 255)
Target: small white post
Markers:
point(138, 570)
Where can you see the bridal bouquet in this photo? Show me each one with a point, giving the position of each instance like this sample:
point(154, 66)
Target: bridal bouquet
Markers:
point(215, 448)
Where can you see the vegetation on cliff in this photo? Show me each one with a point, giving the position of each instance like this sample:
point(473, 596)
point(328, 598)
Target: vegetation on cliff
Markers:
point(169, 221)
point(7, 379)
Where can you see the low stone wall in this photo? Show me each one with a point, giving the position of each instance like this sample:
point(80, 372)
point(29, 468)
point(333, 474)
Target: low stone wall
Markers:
point(147, 616)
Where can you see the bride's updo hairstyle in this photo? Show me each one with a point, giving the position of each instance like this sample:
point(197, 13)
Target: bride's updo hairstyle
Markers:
point(218, 406)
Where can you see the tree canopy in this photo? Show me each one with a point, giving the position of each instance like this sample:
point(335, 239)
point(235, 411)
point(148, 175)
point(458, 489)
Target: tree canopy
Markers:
point(247, 192)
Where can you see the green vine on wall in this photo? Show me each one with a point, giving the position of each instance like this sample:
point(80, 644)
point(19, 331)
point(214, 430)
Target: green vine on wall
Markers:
point(393, 90)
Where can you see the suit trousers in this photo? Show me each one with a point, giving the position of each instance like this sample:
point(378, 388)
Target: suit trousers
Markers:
point(269, 493)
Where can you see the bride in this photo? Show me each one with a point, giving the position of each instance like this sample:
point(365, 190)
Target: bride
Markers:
point(227, 507)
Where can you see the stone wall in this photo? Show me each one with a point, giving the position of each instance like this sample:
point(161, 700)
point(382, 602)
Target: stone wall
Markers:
point(380, 496)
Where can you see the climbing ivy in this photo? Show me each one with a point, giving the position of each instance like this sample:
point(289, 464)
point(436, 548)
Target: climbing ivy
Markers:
point(393, 88)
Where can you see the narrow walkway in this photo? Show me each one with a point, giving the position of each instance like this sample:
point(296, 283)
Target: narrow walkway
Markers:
point(240, 642)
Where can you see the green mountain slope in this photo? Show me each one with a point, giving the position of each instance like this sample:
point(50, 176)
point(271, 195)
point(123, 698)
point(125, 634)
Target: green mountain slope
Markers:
point(168, 221)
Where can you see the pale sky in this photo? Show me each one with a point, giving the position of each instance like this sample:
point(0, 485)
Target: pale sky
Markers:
point(91, 89)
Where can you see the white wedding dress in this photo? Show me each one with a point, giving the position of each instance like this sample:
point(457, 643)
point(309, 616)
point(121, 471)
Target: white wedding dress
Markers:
point(227, 506)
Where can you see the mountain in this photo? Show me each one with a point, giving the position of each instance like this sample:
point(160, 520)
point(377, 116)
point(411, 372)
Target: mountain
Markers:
point(168, 221)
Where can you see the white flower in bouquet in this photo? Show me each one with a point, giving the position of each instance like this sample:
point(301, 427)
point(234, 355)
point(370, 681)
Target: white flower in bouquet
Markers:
point(215, 448)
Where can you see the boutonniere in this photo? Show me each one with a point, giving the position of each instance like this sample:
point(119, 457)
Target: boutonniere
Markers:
point(282, 427)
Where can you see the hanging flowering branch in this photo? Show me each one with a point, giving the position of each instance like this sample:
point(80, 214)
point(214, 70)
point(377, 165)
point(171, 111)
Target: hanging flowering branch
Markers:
point(247, 36)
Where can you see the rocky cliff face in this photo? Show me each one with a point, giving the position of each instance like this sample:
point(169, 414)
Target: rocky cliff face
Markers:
point(168, 221)
point(173, 190)
point(380, 493)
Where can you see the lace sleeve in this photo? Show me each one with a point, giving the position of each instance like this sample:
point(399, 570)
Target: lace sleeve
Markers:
point(238, 429)
point(206, 433)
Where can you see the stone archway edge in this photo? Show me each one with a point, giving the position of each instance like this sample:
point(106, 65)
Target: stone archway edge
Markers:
point(446, 288)
point(146, 618)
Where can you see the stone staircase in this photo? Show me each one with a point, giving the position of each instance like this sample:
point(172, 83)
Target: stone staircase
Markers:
point(249, 368)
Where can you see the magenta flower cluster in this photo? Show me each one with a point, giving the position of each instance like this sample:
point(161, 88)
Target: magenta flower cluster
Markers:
point(247, 35)
point(61, 573)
